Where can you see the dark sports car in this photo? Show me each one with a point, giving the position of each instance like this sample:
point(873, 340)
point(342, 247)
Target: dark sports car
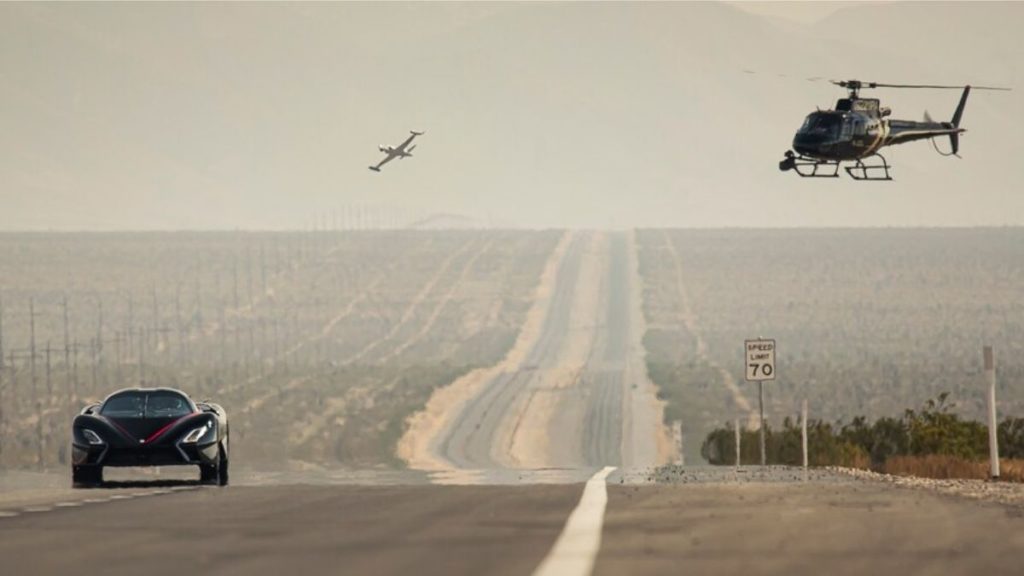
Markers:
point(149, 427)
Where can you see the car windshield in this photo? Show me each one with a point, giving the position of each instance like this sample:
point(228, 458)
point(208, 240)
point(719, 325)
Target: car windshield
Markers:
point(129, 405)
point(146, 405)
point(166, 404)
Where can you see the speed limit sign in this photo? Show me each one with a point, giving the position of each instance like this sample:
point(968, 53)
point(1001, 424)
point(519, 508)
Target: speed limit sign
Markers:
point(760, 360)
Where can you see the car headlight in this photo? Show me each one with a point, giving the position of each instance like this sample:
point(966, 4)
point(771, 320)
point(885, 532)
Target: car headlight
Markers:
point(91, 437)
point(198, 434)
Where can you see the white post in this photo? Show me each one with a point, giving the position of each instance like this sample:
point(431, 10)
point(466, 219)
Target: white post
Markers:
point(993, 431)
point(677, 439)
point(737, 428)
point(803, 431)
point(760, 392)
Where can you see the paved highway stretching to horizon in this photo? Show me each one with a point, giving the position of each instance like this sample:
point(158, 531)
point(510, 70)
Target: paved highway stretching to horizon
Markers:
point(595, 508)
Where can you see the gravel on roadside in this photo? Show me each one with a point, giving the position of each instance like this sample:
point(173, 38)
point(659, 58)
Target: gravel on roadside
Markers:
point(1011, 493)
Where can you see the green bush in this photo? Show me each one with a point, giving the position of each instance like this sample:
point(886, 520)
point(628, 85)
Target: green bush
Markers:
point(931, 430)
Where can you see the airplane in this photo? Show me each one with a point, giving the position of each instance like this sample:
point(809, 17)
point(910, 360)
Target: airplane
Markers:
point(396, 151)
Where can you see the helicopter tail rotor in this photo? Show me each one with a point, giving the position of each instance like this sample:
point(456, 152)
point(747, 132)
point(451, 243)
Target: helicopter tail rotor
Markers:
point(954, 138)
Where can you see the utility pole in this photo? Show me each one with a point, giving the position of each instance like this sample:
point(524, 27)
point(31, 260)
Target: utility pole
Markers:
point(223, 341)
point(74, 367)
point(49, 381)
point(94, 349)
point(14, 372)
point(277, 255)
point(252, 348)
point(142, 356)
point(156, 321)
point(67, 351)
point(238, 347)
point(158, 335)
point(32, 340)
point(234, 281)
point(199, 307)
point(248, 273)
point(277, 339)
point(131, 326)
point(32, 374)
point(177, 322)
point(39, 409)
point(263, 270)
point(263, 347)
point(99, 342)
point(118, 340)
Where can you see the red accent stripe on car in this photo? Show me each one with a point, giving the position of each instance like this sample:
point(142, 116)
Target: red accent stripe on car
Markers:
point(159, 432)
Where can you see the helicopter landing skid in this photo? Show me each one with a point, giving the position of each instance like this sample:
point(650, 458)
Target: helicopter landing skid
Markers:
point(862, 171)
point(808, 167)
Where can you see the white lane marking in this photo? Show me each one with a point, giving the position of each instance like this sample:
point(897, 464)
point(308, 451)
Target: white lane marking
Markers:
point(77, 503)
point(576, 548)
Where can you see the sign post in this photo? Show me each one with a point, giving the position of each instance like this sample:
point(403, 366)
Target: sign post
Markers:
point(759, 356)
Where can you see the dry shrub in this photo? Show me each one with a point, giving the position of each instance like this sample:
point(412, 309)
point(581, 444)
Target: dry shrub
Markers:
point(937, 466)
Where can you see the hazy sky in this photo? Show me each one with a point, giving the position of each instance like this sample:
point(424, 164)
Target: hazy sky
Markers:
point(805, 12)
point(184, 116)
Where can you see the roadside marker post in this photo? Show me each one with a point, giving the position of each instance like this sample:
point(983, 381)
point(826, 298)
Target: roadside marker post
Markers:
point(759, 357)
point(993, 430)
point(737, 428)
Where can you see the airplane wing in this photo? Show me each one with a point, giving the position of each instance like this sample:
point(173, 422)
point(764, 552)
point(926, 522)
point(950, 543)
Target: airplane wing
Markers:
point(387, 159)
point(401, 147)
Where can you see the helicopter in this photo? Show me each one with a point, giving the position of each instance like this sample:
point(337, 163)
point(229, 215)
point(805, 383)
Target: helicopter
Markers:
point(858, 128)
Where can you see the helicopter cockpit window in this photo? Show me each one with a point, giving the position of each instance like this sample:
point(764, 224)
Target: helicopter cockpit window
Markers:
point(822, 124)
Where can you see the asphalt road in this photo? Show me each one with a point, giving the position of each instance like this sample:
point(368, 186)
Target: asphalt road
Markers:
point(586, 429)
point(470, 442)
point(603, 380)
point(794, 528)
point(715, 526)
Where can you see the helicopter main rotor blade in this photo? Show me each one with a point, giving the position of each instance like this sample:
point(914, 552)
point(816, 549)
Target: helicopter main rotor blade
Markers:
point(939, 86)
point(859, 84)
